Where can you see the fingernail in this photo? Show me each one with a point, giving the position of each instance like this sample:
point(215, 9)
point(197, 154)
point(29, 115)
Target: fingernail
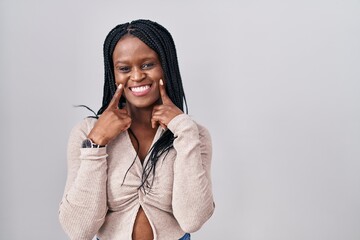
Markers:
point(161, 82)
point(120, 86)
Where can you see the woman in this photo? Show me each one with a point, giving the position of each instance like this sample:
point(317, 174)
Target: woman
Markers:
point(141, 169)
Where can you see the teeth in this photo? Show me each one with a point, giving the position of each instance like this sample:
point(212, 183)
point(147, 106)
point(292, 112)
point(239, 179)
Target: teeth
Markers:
point(140, 89)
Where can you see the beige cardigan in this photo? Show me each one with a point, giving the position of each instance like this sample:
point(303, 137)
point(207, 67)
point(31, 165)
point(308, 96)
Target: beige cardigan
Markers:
point(96, 203)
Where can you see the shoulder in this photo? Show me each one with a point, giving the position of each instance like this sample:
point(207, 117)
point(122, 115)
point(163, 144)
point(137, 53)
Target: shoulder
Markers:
point(86, 124)
point(203, 131)
point(82, 128)
point(205, 138)
point(185, 122)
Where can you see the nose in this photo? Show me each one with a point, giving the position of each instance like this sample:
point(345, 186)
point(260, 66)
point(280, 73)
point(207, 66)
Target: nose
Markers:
point(137, 74)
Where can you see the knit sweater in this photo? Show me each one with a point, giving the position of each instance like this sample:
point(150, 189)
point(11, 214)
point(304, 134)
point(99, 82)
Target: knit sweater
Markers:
point(98, 201)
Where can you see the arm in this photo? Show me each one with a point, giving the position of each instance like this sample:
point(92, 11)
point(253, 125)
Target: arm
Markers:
point(192, 191)
point(84, 204)
point(192, 200)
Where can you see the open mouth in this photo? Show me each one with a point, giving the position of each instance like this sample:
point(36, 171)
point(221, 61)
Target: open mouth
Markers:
point(140, 89)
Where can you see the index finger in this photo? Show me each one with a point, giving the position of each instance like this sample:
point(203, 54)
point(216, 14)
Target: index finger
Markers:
point(114, 103)
point(164, 96)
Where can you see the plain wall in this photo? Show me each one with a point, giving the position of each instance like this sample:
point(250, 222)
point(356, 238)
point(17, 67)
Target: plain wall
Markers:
point(277, 83)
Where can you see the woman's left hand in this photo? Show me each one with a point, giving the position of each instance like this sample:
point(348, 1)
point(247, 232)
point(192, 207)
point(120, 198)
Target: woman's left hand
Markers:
point(165, 112)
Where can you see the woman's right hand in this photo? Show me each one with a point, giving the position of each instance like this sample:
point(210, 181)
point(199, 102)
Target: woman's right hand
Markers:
point(111, 122)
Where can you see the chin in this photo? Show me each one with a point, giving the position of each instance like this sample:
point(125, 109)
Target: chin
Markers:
point(143, 104)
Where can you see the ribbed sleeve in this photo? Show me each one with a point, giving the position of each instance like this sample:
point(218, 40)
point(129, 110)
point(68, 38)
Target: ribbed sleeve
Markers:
point(84, 205)
point(192, 191)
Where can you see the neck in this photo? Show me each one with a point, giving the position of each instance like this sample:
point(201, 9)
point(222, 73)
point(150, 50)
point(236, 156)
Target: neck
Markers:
point(140, 116)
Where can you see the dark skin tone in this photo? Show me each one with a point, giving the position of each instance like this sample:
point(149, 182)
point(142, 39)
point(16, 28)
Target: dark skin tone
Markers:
point(138, 75)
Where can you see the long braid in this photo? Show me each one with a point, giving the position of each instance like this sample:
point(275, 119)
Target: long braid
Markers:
point(109, 45)
point(160, 40)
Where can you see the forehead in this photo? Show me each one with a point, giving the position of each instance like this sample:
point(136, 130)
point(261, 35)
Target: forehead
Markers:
point(130, 47)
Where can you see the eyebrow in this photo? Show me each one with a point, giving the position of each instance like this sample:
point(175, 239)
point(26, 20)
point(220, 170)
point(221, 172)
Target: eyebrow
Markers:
point(142, 60)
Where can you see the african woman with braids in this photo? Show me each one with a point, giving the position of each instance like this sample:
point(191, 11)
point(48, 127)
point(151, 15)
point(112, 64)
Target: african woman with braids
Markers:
point(141, 168)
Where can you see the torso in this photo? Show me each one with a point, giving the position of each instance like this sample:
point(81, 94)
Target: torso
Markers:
point(142, 229)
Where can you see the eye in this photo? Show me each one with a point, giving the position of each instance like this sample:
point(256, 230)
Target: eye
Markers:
point(124, 69)
point(147, 65)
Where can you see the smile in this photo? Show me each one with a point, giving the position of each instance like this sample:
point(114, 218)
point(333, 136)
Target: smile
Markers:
point(140, 90)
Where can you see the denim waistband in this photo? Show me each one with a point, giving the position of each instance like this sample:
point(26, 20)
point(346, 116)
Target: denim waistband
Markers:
point(185, 237)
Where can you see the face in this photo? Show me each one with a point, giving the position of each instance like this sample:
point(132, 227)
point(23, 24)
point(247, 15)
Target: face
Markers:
point(138, 68)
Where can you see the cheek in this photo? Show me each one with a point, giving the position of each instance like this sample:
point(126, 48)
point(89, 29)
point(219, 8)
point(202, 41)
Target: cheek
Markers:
point(120, 79)
point(158, 74)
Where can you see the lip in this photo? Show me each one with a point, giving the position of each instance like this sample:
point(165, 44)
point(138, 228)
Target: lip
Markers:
point(141, 92)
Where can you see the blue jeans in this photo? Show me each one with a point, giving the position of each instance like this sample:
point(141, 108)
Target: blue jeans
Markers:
point(185, 237)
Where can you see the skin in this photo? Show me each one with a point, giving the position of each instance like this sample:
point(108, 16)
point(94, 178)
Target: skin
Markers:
point(135, 64)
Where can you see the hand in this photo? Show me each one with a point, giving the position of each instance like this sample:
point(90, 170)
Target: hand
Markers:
point(164, 113)
point(112, 121)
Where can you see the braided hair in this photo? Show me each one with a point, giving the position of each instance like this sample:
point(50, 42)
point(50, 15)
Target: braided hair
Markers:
point(160, 40)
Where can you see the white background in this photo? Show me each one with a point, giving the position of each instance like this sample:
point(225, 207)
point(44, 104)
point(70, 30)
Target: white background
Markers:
point(277, 83)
